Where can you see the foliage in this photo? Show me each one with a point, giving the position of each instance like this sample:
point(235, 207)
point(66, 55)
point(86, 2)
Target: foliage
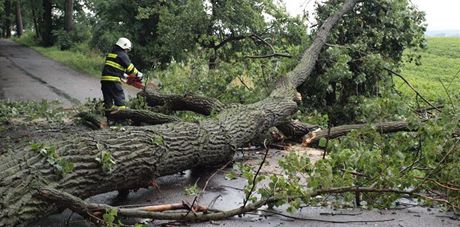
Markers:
point(106, 160)
point(242, 80)
point(65, 40)
point(425, 159)
point(163, 31)
point(31, 110)
point(61, 166)
point(109, 217)
point(192, 190)
point(367, 40)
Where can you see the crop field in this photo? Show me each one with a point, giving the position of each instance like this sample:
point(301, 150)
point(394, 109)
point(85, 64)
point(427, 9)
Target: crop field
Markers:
point(439, 74)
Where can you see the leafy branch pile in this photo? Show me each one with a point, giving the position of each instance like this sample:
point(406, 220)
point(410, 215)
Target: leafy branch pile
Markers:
point(374, 170)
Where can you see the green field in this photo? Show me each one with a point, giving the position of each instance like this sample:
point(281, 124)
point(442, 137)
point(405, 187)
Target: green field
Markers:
point(440, 65)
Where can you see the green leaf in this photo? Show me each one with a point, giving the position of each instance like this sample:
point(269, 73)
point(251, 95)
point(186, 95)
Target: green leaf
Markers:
point(36, 147)
point(158, 140)
point(322, 142)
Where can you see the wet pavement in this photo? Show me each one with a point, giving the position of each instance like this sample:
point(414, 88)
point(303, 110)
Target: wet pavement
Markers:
point(27, 75)
point(227, 194)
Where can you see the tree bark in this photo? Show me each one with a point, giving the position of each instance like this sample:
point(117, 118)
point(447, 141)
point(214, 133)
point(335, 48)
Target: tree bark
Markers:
point(191, 102)
point(7, 19)
point(295, 129)
point(19, 25)
point(68, 18)
point(35, 21)
point(141, 153)
point(47, 23)
point(385, 127)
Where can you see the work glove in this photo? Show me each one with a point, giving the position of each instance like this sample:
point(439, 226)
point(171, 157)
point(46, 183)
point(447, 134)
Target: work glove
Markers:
point(140, 75)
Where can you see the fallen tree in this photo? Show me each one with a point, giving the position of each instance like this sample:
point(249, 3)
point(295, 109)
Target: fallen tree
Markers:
point(89, 163)
point(384, 127)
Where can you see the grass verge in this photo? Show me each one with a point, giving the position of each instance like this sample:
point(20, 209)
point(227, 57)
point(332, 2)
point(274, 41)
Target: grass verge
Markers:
point(80, 57)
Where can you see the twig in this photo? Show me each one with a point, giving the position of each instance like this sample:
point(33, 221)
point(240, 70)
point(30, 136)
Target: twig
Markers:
point(447, 93)
point(436, 169)
point(323, 220)
point(454, 78)
point(67, 223)
point(244, 83)
point(80, 206)
point(443, 185)
point(341, 214)
point(411, 87)
point(254, 36)
point(96, 220)
point(214, 174)
point(213, 201)
point(190, 207)
point(254, 180)
point(285, 55)
point(329, 125)
point(196, 199)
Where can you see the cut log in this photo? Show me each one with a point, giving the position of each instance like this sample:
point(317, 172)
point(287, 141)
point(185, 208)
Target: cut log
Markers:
point(295, 129)
point(313, 138)
point(129, 157)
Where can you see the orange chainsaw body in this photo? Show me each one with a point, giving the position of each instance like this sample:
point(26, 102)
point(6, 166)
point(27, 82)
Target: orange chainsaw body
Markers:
point(134, 81)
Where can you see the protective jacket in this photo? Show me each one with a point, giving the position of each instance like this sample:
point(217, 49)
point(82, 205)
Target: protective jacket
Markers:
point(116, 64)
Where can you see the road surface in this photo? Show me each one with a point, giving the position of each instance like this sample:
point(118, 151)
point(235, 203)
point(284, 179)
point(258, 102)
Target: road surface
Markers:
point(27, 75)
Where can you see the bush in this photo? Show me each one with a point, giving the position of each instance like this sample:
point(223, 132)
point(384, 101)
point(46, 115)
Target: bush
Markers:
point(65, 40)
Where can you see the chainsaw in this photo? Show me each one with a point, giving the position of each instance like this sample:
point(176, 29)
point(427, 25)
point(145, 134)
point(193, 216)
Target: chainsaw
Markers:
point(134, 81)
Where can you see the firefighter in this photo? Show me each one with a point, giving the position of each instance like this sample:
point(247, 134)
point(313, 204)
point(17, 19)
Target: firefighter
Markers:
point(117, 65)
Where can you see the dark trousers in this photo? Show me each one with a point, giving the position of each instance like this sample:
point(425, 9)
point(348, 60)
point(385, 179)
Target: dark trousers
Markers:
point(113, 94)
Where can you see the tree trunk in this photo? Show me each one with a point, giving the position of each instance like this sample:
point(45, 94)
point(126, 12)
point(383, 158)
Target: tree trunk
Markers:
point(7, 19)
point(35, 21)
point(47, 23)
point(19, 25)
point(68, 19)
point(141, 153)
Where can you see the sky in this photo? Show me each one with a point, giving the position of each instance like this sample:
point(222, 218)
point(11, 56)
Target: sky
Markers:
point(440, 14)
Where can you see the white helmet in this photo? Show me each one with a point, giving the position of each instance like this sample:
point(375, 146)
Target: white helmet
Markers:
point(124, 43)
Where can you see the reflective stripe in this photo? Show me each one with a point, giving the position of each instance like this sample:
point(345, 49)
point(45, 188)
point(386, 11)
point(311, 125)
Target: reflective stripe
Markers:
point(112, 55)
point(111, 78)
point(115, 65)
point(121, 107)
point(130, 67)
point(132, 70)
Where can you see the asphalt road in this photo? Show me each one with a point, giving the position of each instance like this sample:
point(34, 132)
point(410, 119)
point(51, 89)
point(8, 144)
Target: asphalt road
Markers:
point(27, 75)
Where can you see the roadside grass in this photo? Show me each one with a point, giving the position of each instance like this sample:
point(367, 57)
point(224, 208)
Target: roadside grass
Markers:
point(439, 74)
point(80, 57)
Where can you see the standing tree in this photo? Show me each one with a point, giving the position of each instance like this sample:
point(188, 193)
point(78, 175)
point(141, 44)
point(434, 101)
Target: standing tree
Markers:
point(19, 24)
point(168, 30)
point(360, 47)
point(68, 18)
point(6, 19)
point(47, 23)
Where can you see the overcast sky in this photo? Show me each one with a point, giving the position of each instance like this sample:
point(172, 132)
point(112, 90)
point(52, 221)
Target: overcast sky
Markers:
point(440, 14)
